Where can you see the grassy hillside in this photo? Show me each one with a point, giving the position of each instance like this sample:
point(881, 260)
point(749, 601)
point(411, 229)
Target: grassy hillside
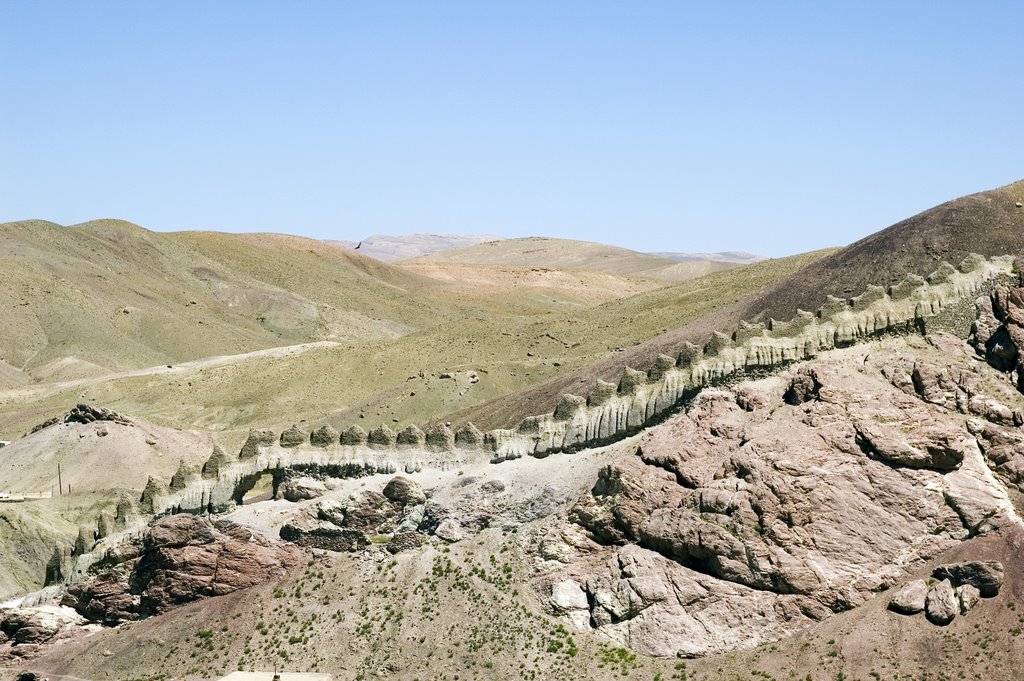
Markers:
point(566, 254)
point(449, 367)
point(108, 296)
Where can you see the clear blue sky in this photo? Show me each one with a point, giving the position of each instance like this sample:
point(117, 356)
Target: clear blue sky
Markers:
point(772, 127)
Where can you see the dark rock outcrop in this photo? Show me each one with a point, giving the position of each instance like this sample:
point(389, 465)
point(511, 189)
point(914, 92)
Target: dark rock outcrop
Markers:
point(803, 387)
point(324, 436)
point(986, 576)
point(294, 437)
point(257, 439)
point(998, 334)
point(85, 413)
point(183, 558)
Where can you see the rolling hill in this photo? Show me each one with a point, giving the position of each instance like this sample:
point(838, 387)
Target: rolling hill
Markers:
point(566, 254)
point(387, 247)
point(109, 296)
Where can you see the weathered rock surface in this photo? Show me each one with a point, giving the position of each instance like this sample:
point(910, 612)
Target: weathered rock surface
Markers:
point(803, 387)
point(324, 436)
point(568, 595)
point(256, 440)
point(348, 525)
point(26, 626)
point(985, 576)
point(968, 596)
point(941, 605)
point(183, 558)
point(910, 600)
point(998, 334)
point(294, 437)
point(404, 491)
point(936, 447)
point(758, 518)
point(300, 489)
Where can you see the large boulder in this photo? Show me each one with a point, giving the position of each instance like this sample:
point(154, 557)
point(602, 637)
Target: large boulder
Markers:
point(941, 605)
point(36, 624)
point(404, 491)
point(803, 387)
point(985, 575)
point(910, 600)
point(567, 596)
point(372, 513)
point(968, 596)
point(301, 489)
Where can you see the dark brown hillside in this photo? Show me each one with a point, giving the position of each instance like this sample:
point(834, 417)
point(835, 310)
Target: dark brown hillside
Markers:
point(990, 223)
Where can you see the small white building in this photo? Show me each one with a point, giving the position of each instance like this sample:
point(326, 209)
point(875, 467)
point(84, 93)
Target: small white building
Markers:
point(4, 443)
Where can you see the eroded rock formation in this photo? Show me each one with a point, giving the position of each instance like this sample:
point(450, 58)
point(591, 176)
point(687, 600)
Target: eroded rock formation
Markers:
point(766, 509)
point(182, 558)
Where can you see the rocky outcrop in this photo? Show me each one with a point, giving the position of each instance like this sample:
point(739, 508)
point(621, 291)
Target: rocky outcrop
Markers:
point(27, 626)
point(324, 436)
point(411, 437)
point(85, 413)
point(294, 437)
point(183, 558)
point(354, 436)
point(939, 447)
point(803, 387)
point(255, 443)
point(217, 462)
point(759, 517)
point(612, 411)
point(440, 438)
point(998, 334)
point(956, 588)
point(312, 531)
point(382, 437)
point(349, 525)
point(985, 576)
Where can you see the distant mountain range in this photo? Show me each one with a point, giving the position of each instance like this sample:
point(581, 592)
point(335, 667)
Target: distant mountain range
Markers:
point(401, 247)
point(734, 257)
point(387, 247)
